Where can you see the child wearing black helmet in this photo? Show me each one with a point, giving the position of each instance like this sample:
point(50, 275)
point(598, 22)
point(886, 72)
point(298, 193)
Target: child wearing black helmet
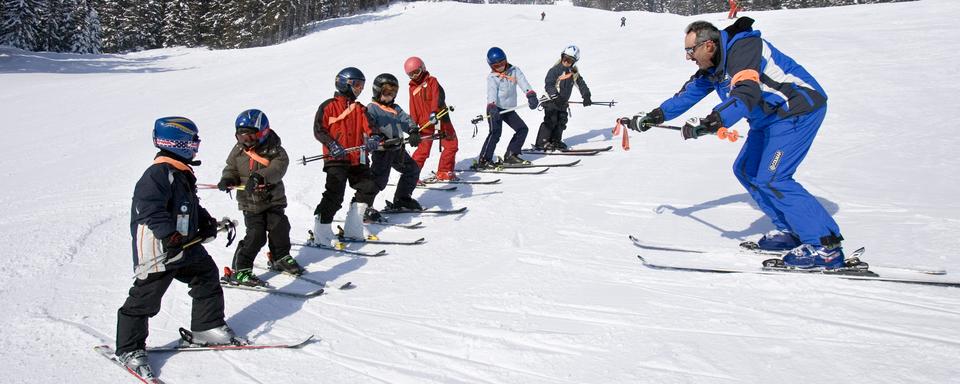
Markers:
point(258, 163)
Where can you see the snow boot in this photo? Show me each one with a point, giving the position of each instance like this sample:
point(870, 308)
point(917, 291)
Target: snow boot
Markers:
point(353, 226)
point(221, 335)
point(323, 234)
point(406, 203)
point(513, 159)
point(372, 215)
point(447, 176)
point(815, 256)
point(286, 264)
point(778, 240)
point(242, 277)
point(136, 361)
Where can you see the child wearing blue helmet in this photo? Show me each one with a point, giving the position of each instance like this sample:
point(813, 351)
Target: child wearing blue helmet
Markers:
point(258, 163)
point(168, 227)
point(502, 83)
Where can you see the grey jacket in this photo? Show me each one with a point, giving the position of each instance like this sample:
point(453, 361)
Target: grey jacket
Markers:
point(241, 165)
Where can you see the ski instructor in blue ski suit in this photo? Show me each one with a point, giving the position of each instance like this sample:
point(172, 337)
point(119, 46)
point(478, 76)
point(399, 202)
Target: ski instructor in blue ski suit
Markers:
point(784, 106)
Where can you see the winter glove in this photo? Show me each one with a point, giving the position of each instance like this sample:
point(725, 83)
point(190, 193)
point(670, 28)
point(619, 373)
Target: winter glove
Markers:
point(696, 127)
point(228, 182)
point(336, 150)
point(172, 244)
point(532, 99)
point(433, 119)
point(643, 121)
point(208, 230)
point(255, 183)
point(587, 101)
point(494, 114)
point(414, 138)
point(373, 143)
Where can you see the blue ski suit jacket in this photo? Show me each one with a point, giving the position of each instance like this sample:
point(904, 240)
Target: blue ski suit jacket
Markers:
point(754, 81)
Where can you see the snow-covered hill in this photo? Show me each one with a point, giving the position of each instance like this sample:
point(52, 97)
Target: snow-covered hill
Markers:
point(537, 282)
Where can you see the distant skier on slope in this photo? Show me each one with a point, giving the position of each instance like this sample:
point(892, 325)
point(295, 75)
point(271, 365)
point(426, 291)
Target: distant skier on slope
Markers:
point(390, 122)
point(784, 106)
point(623, 21)
point(258, 162)
point(340, 123)
point(502, 83)
point(559, 84)
point(427, 99)
point(734, 8)
point(168, 226)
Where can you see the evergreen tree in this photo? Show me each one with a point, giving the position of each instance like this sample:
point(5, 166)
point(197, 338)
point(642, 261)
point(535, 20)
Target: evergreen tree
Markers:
point(21, 26)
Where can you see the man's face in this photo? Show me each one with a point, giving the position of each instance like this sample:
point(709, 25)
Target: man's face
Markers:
point(701, 53)
point(387, 93)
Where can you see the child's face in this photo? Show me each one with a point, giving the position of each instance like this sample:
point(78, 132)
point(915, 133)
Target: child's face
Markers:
point(247, 137)
point(387, 93)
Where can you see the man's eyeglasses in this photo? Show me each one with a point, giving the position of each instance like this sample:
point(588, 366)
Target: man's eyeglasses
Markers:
point(694, 48)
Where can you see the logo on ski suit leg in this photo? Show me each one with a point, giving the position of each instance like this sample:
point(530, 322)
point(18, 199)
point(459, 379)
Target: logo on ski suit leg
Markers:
point(776, 161)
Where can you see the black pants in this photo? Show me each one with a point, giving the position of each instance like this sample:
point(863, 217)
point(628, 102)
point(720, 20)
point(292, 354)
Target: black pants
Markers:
point(143, 302)
point(554, 122)
point(361, 180)
point(272, 225)
point(400, 160)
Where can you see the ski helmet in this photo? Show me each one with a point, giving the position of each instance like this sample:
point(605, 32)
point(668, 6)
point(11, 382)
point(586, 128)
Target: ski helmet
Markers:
point(495, 55)
point(346, 79)
point(178, 135)
point(254, 119)
point(572, 52)
point(381, 80)
point(412, 64)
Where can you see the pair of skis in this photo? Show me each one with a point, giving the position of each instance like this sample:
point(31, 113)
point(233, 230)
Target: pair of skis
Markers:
point(515, 169)
point(853, 270)
point(108, 352)
point(567, 152)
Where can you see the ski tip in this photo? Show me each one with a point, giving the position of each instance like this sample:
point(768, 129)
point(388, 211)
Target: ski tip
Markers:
point(348, 285)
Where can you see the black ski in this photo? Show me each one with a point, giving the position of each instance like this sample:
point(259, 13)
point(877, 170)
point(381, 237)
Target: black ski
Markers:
point(504, 171)
point(434, 180)
point(382, 252)
point(514, 166)
point(560, 153)
point(386, 223)
point(108, 352)
point(273, 290)
point(391, 211)
point(318, 283)
point(383, 242)
point(184, 347)
point(601, 149)
point(447, 188)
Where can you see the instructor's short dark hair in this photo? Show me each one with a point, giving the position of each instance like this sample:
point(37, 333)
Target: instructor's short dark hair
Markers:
point(704, 31)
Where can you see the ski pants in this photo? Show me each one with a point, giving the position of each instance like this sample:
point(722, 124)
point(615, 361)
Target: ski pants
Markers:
point(516, 142)
point(397, 159)
point(271, 225)
point(448, 147)
point(554, 123)
point(143, 302)
point(765, 167)
point(360, 179)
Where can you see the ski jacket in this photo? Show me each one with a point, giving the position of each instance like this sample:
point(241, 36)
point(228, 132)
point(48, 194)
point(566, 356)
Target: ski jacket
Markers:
point(559, 85)
point(426, 97)
point(165, 201)
point(343, 120)
point(270, 161)
point(502, 87)
point(391, 122)
point(753, 79)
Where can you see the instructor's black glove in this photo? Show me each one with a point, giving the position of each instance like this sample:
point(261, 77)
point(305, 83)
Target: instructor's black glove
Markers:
point(642, 122)
point(207, 230)
point(696, 127)
point(228, 182)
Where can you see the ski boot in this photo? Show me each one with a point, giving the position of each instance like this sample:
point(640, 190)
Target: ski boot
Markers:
point(484, 164)
point(447, 176)
point(243, 277)
point(323, 236)
point(221, 335)
point(815, 256)
point(406, 204)
point(136, 362)
point(286, 264)
point(778, 240)
point(559, 145)
point(353, 227)
point(513, 159)
point(372, 215)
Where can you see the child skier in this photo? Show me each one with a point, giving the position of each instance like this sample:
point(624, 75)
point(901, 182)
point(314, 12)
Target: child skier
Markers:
point(389, 121)
point(559, 84)
point(502, 82)
point(341, 122)
point(258, 162)
point(168, 225)
point(427, 98)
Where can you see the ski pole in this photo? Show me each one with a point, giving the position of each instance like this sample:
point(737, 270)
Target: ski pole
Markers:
point(214, 186)
point(225, 224)
point(723, 133)
point(603, 103)
point(306, 159)
point(443, 112)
